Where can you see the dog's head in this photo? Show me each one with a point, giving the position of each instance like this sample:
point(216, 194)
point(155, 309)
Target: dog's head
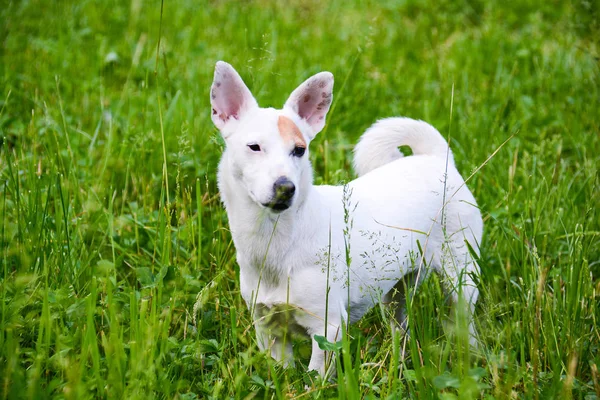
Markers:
point(267, 149)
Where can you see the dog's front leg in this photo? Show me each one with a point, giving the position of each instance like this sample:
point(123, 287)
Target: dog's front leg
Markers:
point(282, 350)
point(280, 347)
point(321, 359)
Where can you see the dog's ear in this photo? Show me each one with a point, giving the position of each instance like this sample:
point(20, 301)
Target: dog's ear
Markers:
point(229, 95)
point(312, 99)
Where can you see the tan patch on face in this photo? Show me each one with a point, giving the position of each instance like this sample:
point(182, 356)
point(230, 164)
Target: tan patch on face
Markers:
point(290, 132)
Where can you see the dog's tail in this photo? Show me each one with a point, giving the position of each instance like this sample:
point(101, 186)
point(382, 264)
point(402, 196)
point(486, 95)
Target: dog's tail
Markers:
point(379, 144)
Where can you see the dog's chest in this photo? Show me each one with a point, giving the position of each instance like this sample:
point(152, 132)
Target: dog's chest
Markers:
point(270, 270)
point(269, 277)
point(275, 256)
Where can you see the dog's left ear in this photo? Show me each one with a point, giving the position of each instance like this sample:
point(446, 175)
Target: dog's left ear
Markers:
point(230, 98)
point(312, 99)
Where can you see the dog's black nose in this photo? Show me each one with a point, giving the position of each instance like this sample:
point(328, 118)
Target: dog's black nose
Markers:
point(284, 189)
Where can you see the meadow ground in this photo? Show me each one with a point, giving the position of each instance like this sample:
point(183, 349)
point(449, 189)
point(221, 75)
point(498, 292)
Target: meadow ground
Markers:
point(118, 276)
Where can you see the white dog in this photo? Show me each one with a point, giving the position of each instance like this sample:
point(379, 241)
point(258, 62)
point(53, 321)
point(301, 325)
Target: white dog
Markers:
point(315, 257)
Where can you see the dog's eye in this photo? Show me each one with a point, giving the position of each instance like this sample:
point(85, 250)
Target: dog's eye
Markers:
point(254, 147)
point(298, 151)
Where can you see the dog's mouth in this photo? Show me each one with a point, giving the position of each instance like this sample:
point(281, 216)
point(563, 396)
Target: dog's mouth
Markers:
point(283, 195)
point(278, 206)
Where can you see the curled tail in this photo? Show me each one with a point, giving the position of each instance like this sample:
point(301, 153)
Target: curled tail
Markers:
point(379, 144)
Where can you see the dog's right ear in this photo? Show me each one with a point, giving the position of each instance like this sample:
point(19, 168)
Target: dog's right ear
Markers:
point(312, 99)
point(229, 95)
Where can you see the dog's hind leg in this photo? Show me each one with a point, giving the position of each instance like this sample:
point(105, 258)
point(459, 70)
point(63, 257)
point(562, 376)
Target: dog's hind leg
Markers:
point(463, 296)
point(396, 300)
point(458, 270)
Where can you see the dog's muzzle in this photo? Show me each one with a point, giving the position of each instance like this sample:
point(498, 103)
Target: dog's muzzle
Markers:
point(283, 193)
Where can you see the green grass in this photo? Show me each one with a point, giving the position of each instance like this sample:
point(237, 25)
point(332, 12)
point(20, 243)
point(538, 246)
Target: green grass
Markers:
point(118, 276)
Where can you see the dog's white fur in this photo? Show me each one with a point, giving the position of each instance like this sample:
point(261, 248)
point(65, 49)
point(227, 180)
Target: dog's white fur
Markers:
point(401, 218)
